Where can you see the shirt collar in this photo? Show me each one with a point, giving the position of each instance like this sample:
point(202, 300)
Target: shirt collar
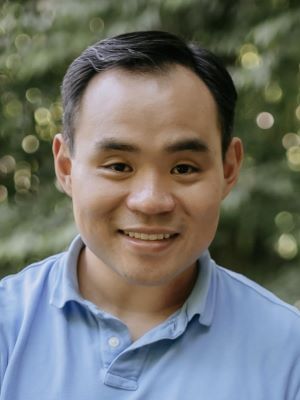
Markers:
point(200, 302)
point(65, 287)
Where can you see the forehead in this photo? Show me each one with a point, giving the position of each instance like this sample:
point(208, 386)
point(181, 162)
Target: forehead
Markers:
point(174, 81)
point(147, 102)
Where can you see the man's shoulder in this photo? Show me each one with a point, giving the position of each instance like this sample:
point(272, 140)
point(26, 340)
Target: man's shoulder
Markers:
point(33, 272)
point(18, 290)
point(24, 296)
point(254, 302)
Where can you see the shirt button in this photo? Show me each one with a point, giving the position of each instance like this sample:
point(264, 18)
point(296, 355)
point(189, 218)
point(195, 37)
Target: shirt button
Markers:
point(113, 341)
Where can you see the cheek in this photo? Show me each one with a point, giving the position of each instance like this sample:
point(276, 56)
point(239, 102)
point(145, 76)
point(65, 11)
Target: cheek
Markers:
point(95, 200)
point(207, 217)
point(204, 200)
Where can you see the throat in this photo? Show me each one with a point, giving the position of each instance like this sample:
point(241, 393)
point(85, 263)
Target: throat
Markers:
point(141, 308)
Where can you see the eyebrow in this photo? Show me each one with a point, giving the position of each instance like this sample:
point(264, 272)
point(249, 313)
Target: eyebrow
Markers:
point(108, 144)
point(195, 145)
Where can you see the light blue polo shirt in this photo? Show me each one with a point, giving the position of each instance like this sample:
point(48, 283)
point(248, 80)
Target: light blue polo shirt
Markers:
point(231, 340)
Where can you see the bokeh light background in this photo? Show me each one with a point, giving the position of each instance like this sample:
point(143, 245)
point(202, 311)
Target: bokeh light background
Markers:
point(259, 233)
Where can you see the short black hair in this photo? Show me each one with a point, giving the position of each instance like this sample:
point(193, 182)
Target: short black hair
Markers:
point(147, 51)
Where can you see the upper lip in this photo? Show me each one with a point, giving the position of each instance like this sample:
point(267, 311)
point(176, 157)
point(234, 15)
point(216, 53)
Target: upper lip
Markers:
point(150, 230)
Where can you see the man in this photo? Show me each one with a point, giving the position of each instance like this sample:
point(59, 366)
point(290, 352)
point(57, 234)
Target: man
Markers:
point(136, 309)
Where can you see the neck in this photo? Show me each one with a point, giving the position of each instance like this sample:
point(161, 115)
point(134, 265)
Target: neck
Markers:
point(140, 307)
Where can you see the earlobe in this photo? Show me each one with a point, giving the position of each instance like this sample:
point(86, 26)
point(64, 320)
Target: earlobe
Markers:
point(232, 164)
point(62, 163)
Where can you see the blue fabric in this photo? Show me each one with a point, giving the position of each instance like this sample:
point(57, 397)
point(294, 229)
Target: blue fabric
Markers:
point(232, 340)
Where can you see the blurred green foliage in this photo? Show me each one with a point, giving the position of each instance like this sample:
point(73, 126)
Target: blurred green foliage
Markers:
point(259, 233)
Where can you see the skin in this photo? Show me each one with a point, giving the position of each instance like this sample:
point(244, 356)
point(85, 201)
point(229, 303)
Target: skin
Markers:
point(147, 159)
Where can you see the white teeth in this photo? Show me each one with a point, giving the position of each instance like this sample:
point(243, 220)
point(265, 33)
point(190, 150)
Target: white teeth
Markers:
point(146, 236)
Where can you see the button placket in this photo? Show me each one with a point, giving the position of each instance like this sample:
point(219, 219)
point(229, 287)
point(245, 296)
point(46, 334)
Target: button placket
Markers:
point(114, 339)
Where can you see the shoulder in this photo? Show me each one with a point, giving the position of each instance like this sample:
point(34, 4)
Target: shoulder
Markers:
point(261, 328)
point(21, 291)
point(33, 274)
point(21, 295)
point(255, 303)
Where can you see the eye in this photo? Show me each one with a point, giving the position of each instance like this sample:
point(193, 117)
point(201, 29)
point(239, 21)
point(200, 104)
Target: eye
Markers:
point(184, 169)
point(119, 167)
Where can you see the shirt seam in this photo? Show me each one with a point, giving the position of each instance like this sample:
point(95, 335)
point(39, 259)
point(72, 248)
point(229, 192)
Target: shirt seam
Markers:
point(43, 263)
point(277, 302)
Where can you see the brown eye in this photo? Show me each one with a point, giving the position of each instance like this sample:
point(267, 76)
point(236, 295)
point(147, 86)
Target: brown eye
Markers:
point(119, 167)
point(184, 169)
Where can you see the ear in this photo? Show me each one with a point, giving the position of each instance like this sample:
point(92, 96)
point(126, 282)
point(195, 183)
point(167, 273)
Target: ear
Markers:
point(232, 164)
point(62, 163)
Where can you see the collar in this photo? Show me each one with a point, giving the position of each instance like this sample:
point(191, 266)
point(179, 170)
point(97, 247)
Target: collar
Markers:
point(200, 302)
point(65, 287)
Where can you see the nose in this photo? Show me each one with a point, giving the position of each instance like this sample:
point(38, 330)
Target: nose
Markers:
point(150, 195)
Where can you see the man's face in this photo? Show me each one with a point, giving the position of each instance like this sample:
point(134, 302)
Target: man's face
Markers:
point(147, 175)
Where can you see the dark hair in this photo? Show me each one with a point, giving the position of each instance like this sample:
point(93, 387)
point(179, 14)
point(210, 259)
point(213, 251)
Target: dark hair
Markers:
point(148, 51)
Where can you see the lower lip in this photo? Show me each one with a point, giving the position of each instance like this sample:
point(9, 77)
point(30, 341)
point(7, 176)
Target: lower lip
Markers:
point(152, 246)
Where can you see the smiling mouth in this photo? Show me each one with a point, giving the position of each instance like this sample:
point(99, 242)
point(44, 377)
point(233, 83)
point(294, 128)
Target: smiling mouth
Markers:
point(149, 236)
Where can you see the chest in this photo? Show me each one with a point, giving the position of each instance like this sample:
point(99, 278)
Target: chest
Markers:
point(88, 360)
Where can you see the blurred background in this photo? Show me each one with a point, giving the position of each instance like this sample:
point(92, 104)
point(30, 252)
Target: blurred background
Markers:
point(259, 234)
